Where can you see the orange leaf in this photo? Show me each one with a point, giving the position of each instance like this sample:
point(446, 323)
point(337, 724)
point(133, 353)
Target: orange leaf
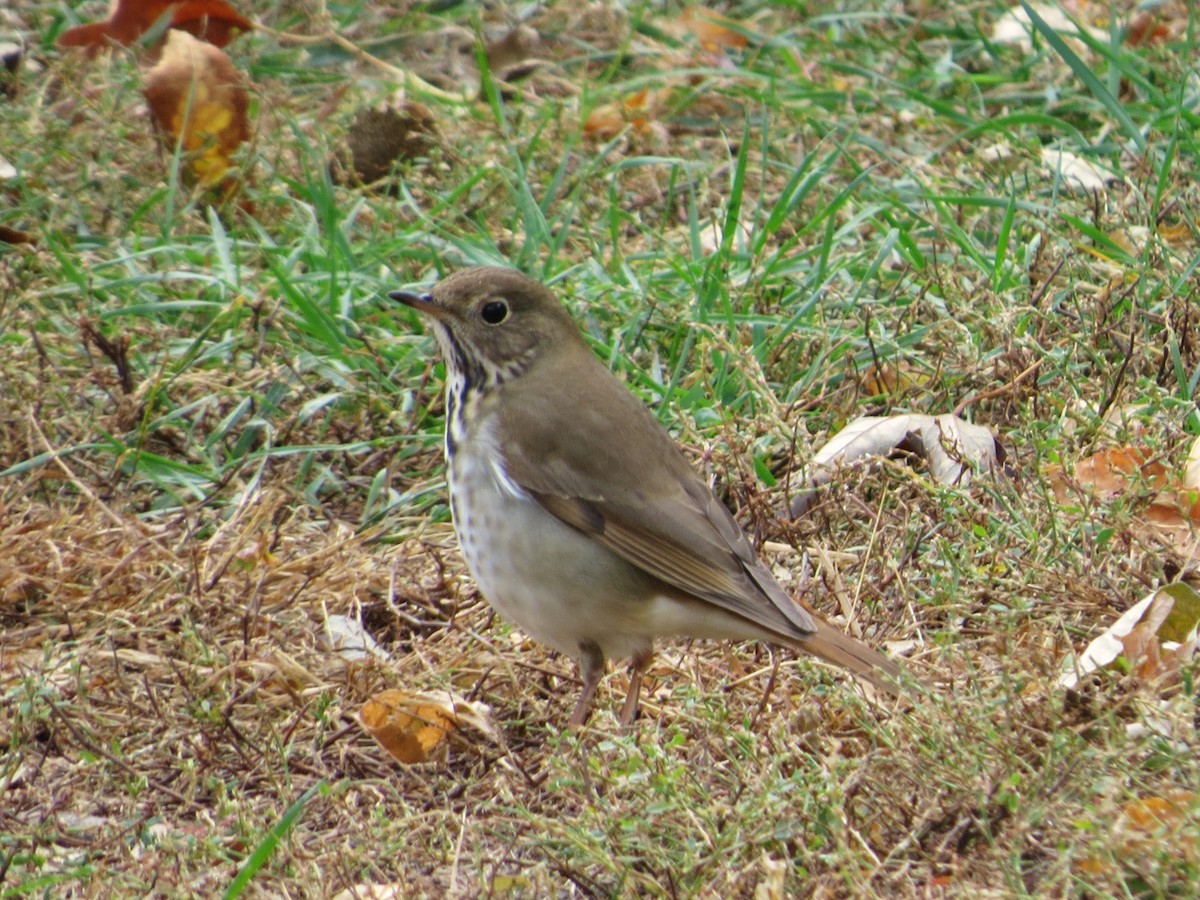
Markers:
point(1113, 471)
point(711, 29)
point(1146, 28)
point(637, 111)
point(407, 730)
point(1177, 235)
point(1156, 815)
point(199, 100)
point(214, 21)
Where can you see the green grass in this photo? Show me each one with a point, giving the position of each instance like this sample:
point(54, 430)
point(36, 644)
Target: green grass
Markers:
point(214, 430)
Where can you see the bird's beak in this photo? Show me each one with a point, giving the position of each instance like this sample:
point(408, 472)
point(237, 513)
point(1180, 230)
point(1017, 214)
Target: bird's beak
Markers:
point(422, 303)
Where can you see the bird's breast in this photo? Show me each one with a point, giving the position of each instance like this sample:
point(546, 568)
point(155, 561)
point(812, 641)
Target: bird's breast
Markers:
point(557, 584)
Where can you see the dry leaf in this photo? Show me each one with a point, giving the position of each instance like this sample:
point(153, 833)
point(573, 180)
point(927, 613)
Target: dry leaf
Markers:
point(710, 29)
point(637, 111)
point(951, 446)
point(1109, 473)
point(13, 236)
point(348, 638)
point(379, 138)
point(1146, 28)
point(1177, 235)
point(411, 726)
point(1016, 28)
point(213, 21)
point(1074, 173)
point(1173, 514)
point(1160, 629)
point(886, 378)
point(199, 100)
point(1155, 815)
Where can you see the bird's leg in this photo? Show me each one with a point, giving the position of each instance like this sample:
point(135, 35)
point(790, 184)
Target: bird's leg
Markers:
point(637, 665)
point(591, 667)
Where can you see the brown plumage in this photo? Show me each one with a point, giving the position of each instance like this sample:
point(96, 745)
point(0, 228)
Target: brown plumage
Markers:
point(578, 515)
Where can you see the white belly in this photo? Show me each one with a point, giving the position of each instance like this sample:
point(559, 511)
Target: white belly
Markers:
point(559, 585)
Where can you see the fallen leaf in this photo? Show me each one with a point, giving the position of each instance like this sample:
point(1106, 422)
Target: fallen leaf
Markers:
point(1152, 816)
point(1191, 467)
point(1146, 28)
point(951, 446)
point(379, 138)
point(411, 726)
point(1015, 28)
point(637, 111)
point(514, 55)
point(348, 638)
point(712, 31)
point(200, 102)
point(1168, 619)
point(13, 236)
point(1177, 235)
point(1109, 473)
point(1147, 826)
point(885, 378)
point(1074, 173)
point(213, 21)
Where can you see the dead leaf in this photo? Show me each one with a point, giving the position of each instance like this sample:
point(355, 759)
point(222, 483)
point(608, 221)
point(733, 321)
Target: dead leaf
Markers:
point(13, 236)
point(638, 112)
point(1191, 467)
point(1147, 826)
point(1159, 630)
point(412, 726)
point(1172, 516)
point(1110, 473)
point(347, 637)
point(1016, 28)
point(951, 446)
point(712, 31)
point(885, 379)
point(1177, 235)
point(213, 21)
point(515, 55)
point(1146, 28)
point(1075, 173)
point(1155, 815)
point(199, 101)
point(379, 138)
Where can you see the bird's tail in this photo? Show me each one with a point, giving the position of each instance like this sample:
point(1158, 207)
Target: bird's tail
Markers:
point(837, 647)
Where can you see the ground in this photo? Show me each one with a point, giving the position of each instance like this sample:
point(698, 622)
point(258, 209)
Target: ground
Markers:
point(216, 435)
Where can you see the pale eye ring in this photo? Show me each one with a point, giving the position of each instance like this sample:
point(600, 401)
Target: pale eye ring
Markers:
point(494, 312)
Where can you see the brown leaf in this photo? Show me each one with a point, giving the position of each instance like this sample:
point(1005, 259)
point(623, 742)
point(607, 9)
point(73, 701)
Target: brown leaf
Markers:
point(411, 726)
point(213, 21)
point(13, 236)
point(408, 730)
point(1111, 472)
point(638, 111)
point(199, 101)
point(710, 29)
point(887, 378)
point(1156, 815)
point(1146, 28)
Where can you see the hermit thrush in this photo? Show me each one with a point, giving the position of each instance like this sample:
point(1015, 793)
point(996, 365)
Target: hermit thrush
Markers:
point(579, 518)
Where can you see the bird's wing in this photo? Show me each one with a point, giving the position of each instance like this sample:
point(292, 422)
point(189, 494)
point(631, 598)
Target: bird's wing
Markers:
point(679, 544)
point(634, 493)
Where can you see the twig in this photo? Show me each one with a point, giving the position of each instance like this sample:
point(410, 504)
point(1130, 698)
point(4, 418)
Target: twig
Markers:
point(409, 80)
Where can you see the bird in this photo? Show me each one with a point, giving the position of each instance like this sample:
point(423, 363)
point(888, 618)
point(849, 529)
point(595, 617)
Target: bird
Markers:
point(579, 518)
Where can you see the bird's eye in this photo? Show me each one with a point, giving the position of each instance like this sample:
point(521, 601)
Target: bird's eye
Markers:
point(495, 312)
